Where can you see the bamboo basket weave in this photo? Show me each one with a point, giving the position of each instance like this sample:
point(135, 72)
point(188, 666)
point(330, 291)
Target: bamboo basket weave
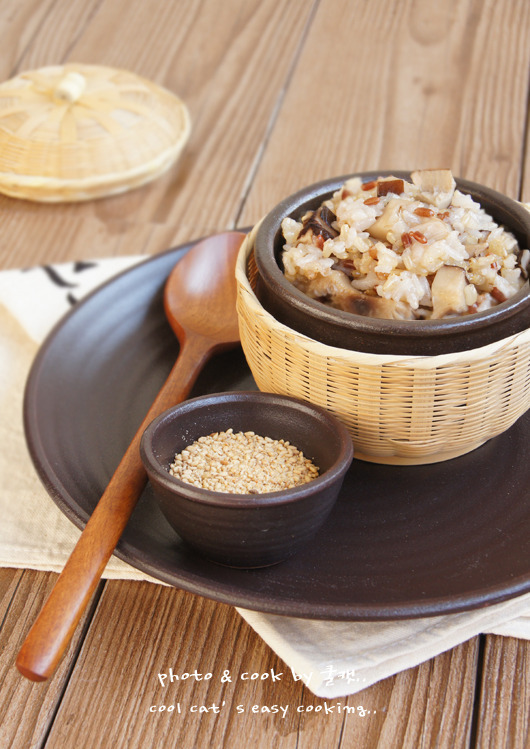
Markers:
point(398, 410)
point(77, 132)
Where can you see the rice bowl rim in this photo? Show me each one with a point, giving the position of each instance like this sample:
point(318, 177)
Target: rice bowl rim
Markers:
point(268, 235)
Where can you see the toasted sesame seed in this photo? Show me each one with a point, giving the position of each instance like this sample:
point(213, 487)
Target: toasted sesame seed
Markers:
point(242, 463)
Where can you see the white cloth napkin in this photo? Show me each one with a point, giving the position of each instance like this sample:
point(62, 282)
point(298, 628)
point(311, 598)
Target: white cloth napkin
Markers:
point(333, 659)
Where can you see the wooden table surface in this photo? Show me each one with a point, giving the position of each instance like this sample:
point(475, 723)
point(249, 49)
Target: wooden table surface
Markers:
point(281, 93)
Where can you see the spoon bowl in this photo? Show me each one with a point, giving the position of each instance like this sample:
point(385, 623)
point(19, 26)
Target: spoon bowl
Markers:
point(200, 303)
point(192, 306)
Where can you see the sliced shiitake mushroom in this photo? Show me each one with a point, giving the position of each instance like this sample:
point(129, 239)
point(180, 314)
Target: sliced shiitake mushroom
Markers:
point(387, 220)
point(436, 186)
point(447, 292)
point(372, 306)
point(390, 184)
point(523, 259)
point(335, 289)
point(319, 222)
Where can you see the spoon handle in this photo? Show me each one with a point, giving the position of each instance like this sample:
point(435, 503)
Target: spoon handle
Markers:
point(55, 625)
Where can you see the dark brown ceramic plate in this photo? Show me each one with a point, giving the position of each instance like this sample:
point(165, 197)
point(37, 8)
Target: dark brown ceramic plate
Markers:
point(400, 542)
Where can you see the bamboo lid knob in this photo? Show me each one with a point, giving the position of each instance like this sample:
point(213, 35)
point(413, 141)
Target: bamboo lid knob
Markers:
point(70, 88)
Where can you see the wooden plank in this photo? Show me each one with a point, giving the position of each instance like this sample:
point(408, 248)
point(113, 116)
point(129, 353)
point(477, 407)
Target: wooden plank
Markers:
point(416, 707)
point(20, 22)
point(60, 23)
point(9, 580)
point(43, 235)
point(525, 181)
point(400, 86)
point(504, 706)
point(224, 83)
point(493, 114)
point(142, 630)
point(427, 706)
point(27, 709)
point(231, 102)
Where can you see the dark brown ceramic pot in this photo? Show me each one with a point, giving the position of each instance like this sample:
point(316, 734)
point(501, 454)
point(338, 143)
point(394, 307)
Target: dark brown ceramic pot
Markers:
point(400, 337)
point(247, 530)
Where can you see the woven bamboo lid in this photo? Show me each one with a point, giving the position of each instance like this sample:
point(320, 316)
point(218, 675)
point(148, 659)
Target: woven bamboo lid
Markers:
point(77, 132)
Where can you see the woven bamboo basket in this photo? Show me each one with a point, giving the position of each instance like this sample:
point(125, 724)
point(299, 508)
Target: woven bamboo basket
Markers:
point(398, 410)
point(77, 132)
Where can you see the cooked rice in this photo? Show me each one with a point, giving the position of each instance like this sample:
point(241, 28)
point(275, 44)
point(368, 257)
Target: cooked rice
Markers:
point(404, 250)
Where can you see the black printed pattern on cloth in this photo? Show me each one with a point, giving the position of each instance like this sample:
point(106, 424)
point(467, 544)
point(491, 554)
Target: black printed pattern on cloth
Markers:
point(64, 277)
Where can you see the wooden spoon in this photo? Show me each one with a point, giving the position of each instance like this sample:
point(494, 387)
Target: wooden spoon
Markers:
point(200, 304)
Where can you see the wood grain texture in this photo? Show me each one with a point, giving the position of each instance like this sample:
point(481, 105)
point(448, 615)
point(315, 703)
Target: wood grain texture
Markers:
point(20, 24)
point(505, 694)
point(9, 581)
point(27, 710)
point(525, 181)
point(216, 76)
point(428, 706)
point(166, 628)
point(402, 86)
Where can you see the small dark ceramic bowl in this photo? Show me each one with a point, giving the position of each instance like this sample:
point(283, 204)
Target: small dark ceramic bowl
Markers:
point(247, 530)
point(361, 333)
